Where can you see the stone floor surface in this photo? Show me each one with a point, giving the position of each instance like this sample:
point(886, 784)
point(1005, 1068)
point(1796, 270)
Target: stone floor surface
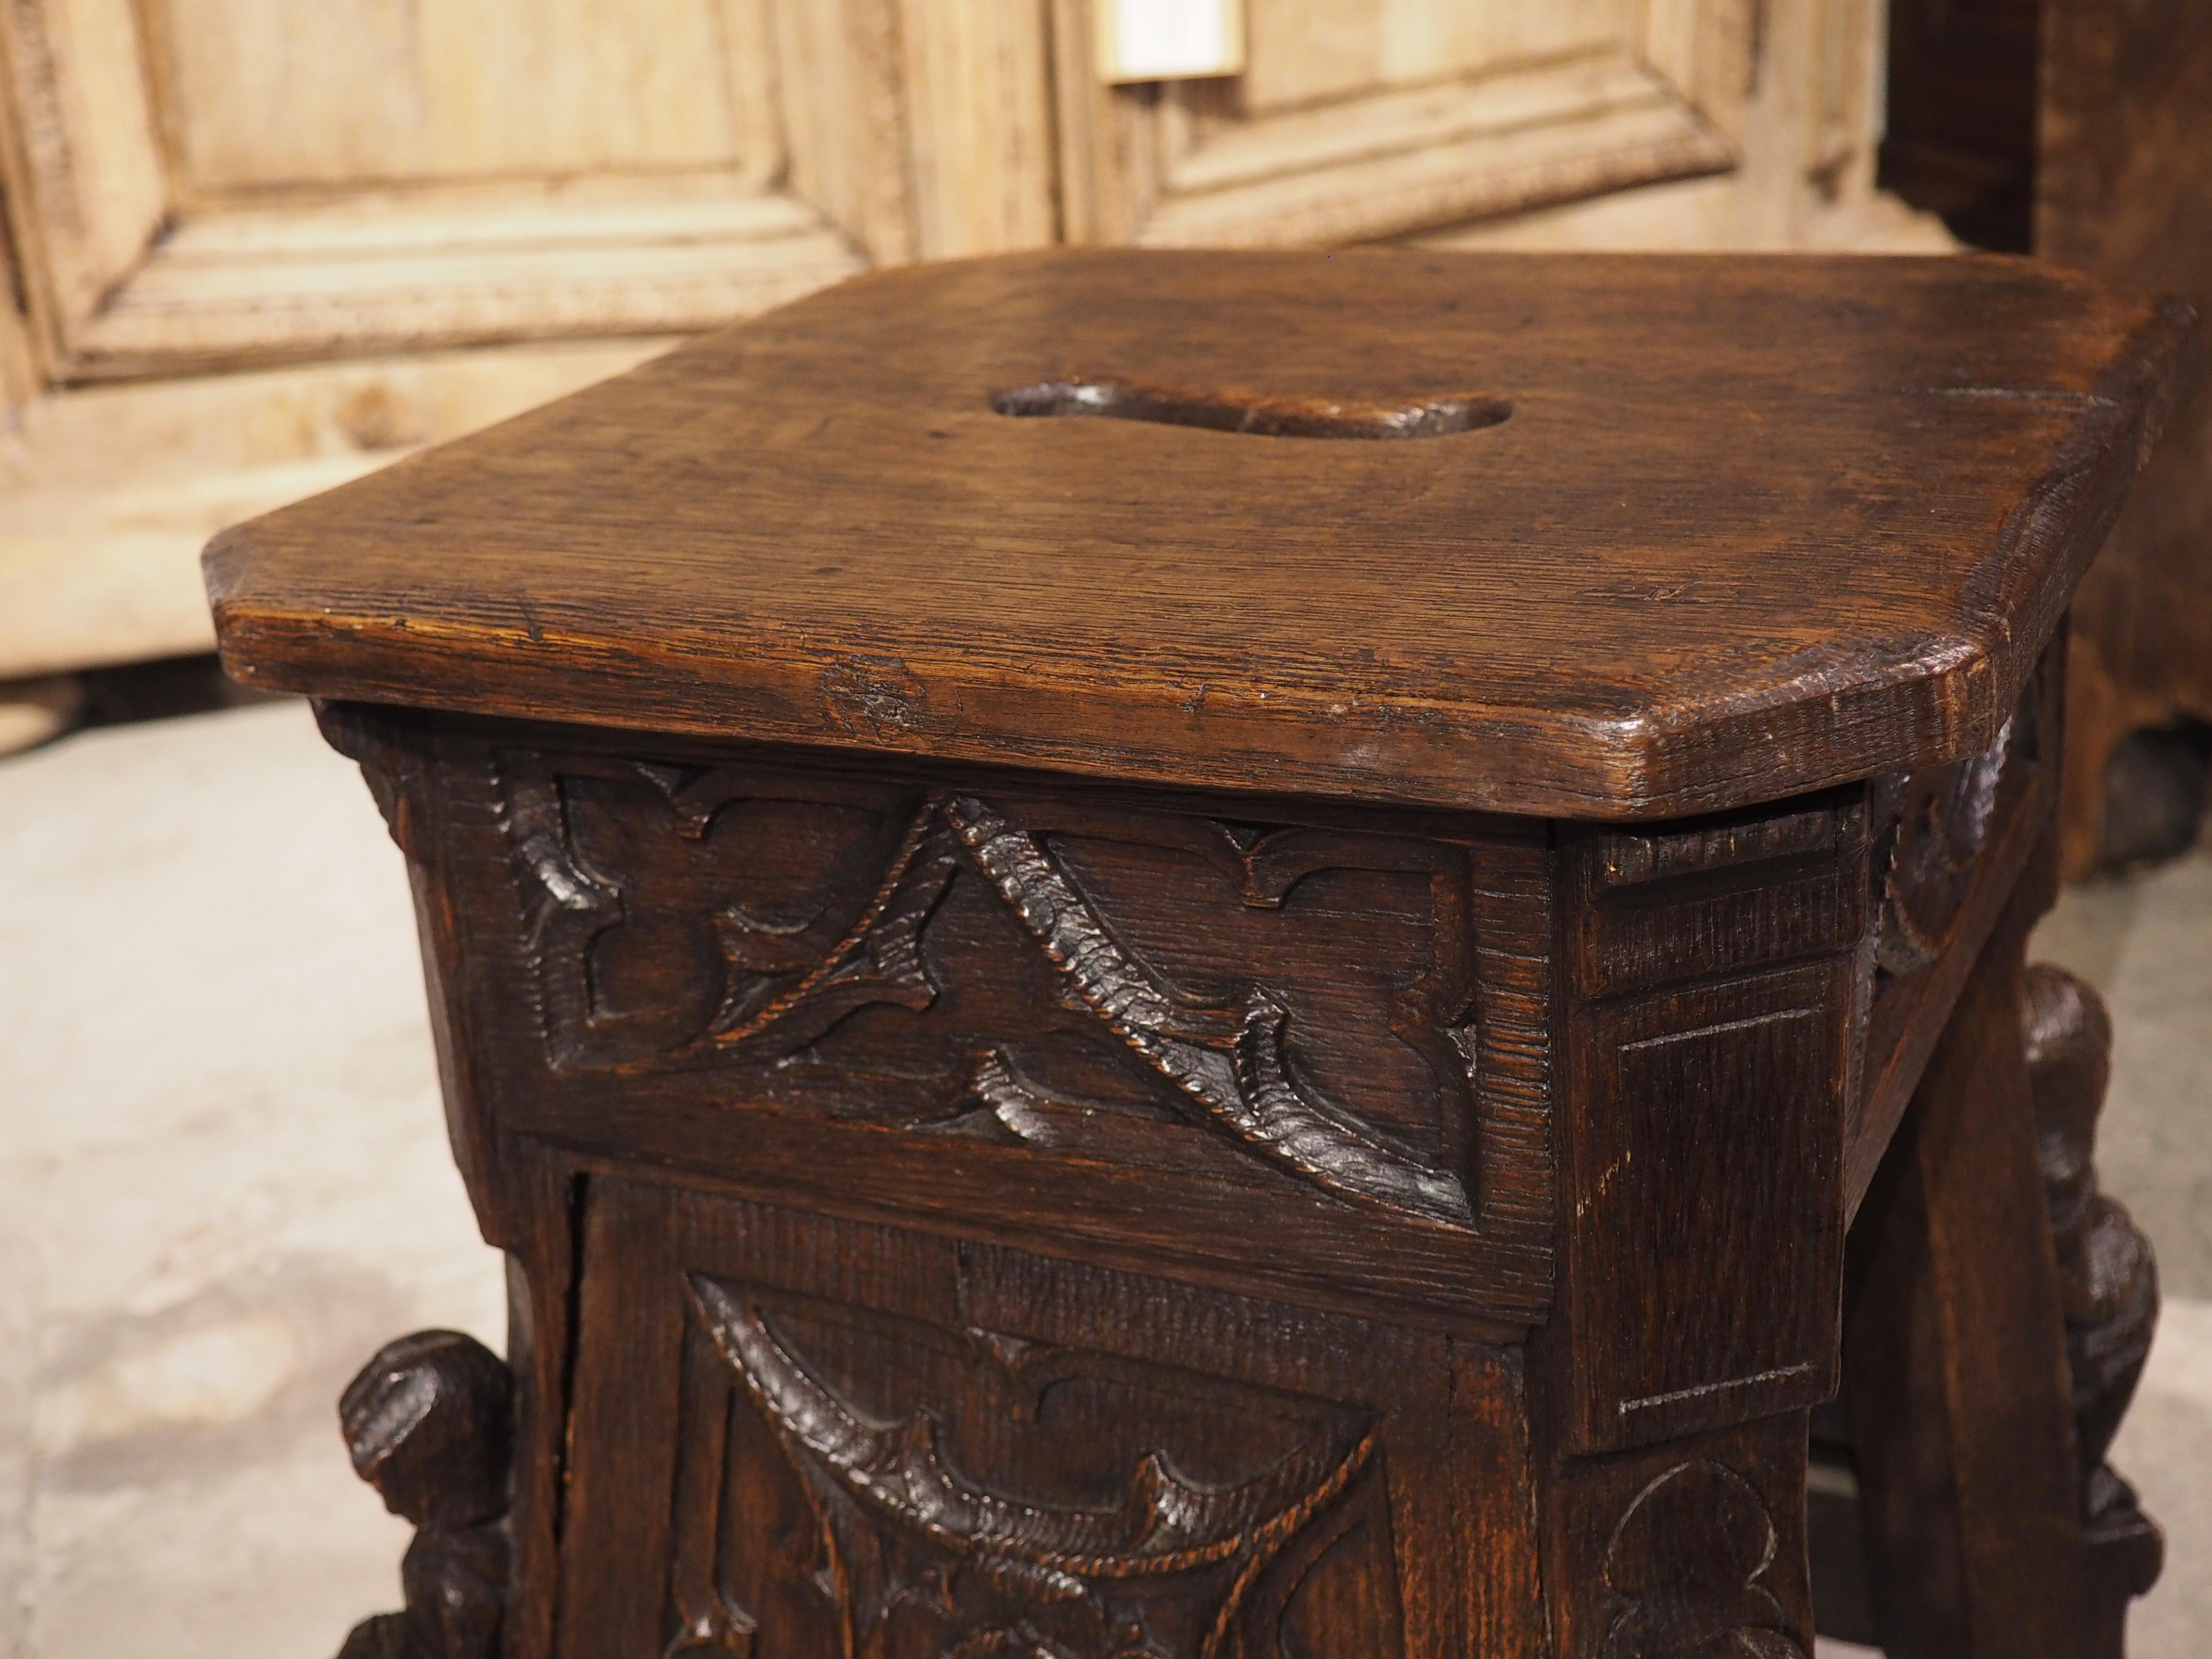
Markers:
point(223, 1182)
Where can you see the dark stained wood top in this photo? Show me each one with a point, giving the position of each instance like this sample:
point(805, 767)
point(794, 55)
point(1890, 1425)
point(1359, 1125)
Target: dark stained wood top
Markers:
point(1752, 524)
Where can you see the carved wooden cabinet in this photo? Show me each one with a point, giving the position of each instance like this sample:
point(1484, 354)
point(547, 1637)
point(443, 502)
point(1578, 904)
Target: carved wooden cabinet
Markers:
point(1202, 954)
point(254, 249)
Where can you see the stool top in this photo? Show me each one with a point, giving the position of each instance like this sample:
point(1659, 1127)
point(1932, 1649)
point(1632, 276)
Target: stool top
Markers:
point(1597, 536)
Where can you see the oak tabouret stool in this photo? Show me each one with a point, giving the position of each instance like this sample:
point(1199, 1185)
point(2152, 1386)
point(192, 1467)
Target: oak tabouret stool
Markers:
point(1199, 956)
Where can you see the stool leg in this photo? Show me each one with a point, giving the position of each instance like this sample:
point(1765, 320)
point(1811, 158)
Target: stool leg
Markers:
point(1956, 1363)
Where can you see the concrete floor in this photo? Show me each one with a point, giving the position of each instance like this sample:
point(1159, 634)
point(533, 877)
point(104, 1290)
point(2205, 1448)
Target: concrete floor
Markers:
point(223, 1182)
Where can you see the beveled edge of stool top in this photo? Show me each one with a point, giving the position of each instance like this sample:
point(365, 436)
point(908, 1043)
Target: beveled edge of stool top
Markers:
point(1597, 536)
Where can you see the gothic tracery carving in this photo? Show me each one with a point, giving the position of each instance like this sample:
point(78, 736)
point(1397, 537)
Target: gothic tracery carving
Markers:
point(782, 985)
point(1164, 1573)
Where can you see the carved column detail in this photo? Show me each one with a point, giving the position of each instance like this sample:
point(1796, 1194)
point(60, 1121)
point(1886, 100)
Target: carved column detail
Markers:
point(2107, 1276)
point(1935, 826)
point(429, 1422)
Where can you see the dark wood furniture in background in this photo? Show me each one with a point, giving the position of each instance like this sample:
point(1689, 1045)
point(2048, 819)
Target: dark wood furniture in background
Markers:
point(1201, 954)
point(2123, 188)
point(2081, 130)
point(1959, 133)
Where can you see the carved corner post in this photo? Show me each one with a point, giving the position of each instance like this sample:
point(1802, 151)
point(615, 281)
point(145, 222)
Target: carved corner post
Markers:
point(1998, 1315)
point(429, 1422)
point(2107, 1281)
point(1709, 975)
point(439, 799)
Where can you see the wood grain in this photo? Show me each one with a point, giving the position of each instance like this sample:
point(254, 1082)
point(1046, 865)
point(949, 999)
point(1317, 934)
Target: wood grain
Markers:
point(977, 79)
point(816, 529)
point(1713, 973)
point(838, 77)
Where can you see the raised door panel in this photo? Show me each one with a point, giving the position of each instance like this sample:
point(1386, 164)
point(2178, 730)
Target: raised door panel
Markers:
point(80, 168)
point(267, 93)
point(1371, 119)
point(1807, 122)
point(206, 183)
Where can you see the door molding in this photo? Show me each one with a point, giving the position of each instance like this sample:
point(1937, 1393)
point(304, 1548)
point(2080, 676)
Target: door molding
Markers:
point(873, 132)
point(1180, 164)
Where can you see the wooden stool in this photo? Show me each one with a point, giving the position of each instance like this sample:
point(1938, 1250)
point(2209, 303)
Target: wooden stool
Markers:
point(1199, 955)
